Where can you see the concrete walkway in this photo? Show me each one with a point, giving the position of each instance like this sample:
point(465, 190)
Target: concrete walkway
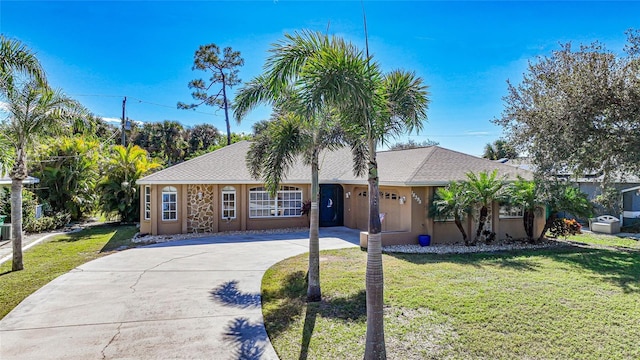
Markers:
point(190, 299)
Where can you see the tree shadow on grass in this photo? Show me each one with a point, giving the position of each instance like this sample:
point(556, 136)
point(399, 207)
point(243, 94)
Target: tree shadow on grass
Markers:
point(618, 267)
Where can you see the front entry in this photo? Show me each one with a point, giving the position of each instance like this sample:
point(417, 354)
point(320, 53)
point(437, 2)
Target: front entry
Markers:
point(331, 205)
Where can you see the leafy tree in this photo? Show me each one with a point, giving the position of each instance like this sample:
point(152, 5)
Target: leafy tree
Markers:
point(412, 144)
point(68, 169)
point(298, 127)
point(34, 113)
point(223, 71)
point(483, 189)
point(500, 149)
point(453, 201)
point(578, 110)
point(117, 188)
point(164, 140)
point(561, 197)
point(17, 59)
point(201, 137)
point(525, 194)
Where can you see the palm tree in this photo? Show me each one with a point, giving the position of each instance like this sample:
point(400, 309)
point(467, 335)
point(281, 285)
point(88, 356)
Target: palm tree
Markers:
point(118, 187)
point(16, 58)
point(453, 201)
point(565, 197)
point(484, 188)
point(374, 107)
point(303, 123)
point(500, 149)
point(524, 194)
point(34, 112)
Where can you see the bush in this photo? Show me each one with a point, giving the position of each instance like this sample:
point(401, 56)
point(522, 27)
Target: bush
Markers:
point(565, 227)
point(46, 223)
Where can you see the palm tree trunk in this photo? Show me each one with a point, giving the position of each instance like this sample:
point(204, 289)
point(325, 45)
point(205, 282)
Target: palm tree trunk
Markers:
point(16, 223)
point(528, 219)
point(458, 223)
point(374, 346)
point(481, 221)
point(547, 225)
point(314, 293)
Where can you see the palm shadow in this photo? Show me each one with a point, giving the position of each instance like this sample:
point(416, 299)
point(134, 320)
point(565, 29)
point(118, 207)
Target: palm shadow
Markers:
point(250, 339)
point(229, 294)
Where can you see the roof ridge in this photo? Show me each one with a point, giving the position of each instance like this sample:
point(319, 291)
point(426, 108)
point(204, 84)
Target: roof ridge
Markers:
point(433, 149)
point(199, 157)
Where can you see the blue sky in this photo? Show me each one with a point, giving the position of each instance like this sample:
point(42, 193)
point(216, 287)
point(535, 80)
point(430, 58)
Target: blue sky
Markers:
point(99, 51)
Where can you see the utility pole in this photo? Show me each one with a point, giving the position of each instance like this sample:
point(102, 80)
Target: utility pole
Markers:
point(124, 105)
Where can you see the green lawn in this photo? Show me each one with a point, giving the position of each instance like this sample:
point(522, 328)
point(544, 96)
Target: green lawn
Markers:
point(606, 240)
point(565, 303)
point(54, 257)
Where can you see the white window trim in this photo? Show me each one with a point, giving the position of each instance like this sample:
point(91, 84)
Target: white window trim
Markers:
point(515, 212)
point(147, 202)
point(169, 190)
point(229, 190)
point(273, 202)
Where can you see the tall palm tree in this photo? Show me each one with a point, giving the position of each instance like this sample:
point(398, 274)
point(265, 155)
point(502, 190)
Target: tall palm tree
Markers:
point(374, 107)
point(484, 188)
point(303, 126)
point(16, 58)
point(118, 187)
point(453, 201)
point(34, 112)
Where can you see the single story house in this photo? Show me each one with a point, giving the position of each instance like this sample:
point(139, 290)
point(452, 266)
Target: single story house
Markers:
point(215, 193)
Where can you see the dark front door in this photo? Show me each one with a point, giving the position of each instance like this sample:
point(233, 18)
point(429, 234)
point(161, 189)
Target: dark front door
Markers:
point(331, 205)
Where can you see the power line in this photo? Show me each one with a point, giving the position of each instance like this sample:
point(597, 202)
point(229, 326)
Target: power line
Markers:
point(142, 101)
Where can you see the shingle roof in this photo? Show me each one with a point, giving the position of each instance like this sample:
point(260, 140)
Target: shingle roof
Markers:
point(422, 166)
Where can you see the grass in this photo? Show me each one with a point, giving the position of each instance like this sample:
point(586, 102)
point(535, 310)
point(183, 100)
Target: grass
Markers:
point(54, 257)
point(606, 240)
point(565, 303)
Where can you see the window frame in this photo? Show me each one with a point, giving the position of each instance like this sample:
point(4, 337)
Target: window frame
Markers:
point(170, 191)
point(147, 202)
point(228, 191)
point(513, 212)
point(288, 200)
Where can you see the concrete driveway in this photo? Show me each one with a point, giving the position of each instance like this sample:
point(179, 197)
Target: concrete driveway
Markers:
point(195, 299)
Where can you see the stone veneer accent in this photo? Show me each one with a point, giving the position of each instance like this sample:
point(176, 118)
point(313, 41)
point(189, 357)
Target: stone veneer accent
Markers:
point(200, 210)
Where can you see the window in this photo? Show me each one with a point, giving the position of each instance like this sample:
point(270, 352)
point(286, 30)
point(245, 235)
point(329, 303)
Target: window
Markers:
point(147, 202)
point(288, 202)
point(169, 203)
point(228, 202)
point(511, 212)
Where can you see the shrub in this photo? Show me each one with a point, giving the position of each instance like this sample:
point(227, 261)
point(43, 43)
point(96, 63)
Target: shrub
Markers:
point(46, 223)
point(565, 227)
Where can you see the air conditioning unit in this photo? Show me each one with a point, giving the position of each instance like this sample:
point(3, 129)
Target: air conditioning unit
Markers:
point(5, 232)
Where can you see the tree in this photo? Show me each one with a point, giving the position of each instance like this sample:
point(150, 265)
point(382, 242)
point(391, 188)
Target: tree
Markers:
point(118, 187)
point(201, 137)
point(560, 196)
point(17, 59)
point(223, 71)
point(453, 201)
point(302, 124)
point(578, 111)
point(412, 144)
point(500, 149)
point(525, 194)
point(68, 169)
point(483, 189)
point(374, 107)
point(34, 112)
